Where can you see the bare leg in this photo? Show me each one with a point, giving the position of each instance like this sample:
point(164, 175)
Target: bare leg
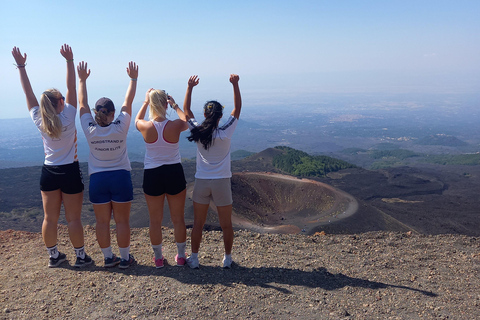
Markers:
point(73, 211)
point(176, 203)
point(103, 214)
point(52, 202)
point(155, 210)
point(225, 218)
point(121, 214)
point(199, 217)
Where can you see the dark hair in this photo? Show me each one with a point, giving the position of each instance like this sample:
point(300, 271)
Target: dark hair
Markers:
point(103, 108)
point(204, 132)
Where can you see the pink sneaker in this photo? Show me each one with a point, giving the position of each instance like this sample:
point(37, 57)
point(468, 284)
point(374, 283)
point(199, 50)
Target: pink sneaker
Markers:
point(181, 261)
point(158, 262)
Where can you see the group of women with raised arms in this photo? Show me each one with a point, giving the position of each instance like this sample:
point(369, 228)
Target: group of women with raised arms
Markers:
point(110, 188)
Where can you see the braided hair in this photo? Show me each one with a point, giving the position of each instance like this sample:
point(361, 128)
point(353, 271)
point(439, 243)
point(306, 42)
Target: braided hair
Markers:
point(204, 133)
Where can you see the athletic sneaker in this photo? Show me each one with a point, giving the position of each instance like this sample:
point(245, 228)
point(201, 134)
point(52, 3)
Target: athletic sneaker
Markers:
point(193, 262)
point(80, 263)
point(227, 262)
point(124, 264)
point(112, 262)
point(158, 262)
point(53, 263)
point(180, 261)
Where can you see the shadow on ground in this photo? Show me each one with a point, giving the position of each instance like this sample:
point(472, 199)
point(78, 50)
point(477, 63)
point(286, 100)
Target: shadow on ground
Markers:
point(266, 277)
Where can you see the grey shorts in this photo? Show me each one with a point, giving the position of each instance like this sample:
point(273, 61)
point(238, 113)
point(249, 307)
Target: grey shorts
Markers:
point(218, 190)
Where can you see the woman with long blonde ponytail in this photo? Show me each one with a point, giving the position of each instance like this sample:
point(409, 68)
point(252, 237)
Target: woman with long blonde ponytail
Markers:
point(163, 176)
point(61, 179)
point(51, 123)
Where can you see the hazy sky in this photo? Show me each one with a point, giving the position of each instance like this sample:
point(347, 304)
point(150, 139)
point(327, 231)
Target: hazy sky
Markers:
point(277, 47)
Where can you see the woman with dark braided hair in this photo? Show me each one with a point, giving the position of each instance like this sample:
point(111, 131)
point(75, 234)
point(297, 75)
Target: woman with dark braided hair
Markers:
point(213, 174)
point(61, 179)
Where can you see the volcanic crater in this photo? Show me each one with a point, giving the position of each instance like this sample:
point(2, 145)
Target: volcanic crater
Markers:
point(268, 202)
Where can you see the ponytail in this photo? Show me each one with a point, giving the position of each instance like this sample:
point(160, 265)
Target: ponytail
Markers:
point(51, 123)
point(158, 104)
point(204, 132)
point(101, 117)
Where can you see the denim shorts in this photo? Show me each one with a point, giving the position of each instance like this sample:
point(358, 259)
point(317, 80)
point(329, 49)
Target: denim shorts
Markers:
point(109, 186)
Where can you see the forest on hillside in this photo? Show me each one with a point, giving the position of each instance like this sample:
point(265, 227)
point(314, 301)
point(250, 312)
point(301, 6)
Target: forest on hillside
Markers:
point(301, 164)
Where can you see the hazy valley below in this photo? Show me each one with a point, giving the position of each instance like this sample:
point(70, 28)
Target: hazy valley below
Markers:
point(416, 157)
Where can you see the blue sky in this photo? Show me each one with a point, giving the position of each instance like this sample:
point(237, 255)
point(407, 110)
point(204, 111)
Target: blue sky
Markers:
point(277, 47)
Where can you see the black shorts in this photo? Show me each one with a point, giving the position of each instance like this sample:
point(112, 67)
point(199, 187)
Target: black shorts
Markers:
point(168, 179)
point(68, 178)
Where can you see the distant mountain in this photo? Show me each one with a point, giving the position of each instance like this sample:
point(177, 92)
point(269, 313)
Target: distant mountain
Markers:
point(301, 164)
point(240, 154)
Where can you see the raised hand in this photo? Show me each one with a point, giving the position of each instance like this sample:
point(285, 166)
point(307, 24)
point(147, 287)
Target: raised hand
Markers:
point(132, 70)
point(147, 96)
point(234, 78)
point(17, 55)
point(170, 100)
point(83, 74)
point(66, 52)
point(193, 81)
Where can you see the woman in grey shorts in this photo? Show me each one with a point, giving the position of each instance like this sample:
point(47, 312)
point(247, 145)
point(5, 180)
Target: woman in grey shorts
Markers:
point(212, 178)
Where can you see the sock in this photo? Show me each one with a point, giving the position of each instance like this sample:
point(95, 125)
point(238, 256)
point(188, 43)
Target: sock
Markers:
point(125, 253)
point(107, 252)
point(181, 249)
point(194, 255)
point(227, 257)
point(157, 250)
point(53, 252)
point(80, 252)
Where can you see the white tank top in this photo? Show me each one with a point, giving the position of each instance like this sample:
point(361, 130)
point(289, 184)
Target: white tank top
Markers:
point(161, 152)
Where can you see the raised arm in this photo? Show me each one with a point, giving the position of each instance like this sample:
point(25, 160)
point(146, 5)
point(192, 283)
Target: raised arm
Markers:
point(140, 123)
point(181, 123)
point(132, 71)
point(27, 88)
point(192, 82)
point(82, 87)
point(237, 98)
point(71, 96)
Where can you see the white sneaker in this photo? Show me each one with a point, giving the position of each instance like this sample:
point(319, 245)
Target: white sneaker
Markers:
point(227, 262)
point(193, 262)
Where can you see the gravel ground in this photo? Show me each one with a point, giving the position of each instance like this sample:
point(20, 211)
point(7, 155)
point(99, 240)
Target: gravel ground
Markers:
point(375, 275)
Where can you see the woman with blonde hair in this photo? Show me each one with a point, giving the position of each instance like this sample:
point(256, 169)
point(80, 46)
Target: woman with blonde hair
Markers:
point(163, 172)
point(110, 188)
point(61, 179)
point(213, 170)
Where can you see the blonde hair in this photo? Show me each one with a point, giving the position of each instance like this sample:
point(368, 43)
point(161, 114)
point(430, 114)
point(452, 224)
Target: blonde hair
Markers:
point(51, 123)
point(158, 104)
